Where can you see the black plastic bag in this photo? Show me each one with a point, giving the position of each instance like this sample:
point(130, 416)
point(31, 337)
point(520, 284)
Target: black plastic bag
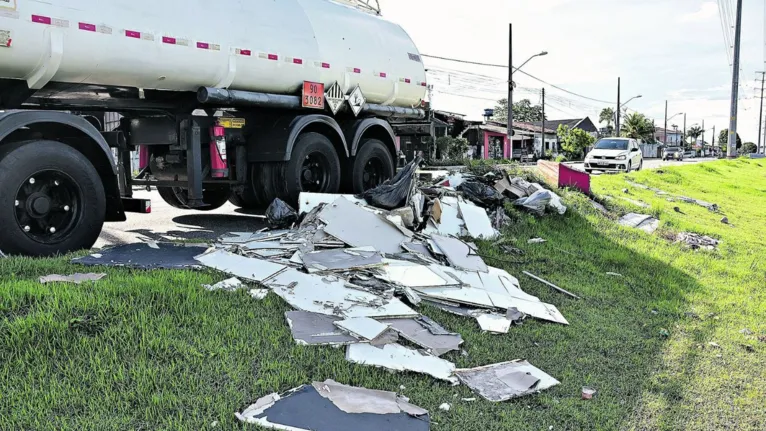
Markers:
point(394, 193)
point(481, 194)
point(280, 214)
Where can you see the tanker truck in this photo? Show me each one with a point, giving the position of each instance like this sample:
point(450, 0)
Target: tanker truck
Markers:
point(232, 101)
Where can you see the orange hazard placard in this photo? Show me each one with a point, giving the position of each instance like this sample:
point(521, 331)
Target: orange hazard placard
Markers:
point(313, 95)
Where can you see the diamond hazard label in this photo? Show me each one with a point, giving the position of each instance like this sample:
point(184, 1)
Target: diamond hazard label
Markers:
point(5, 39)
point(334, 97)
point(356, 101)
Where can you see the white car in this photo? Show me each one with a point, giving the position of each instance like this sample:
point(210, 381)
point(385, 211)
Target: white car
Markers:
point(615, 155)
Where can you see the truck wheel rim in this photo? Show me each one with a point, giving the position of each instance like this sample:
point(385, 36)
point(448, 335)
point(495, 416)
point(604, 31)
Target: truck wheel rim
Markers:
point(48, 206)
point(374, 174)
point(315, 173)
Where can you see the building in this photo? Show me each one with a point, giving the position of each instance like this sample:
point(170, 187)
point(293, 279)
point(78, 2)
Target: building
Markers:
point(576, 123)
point(490, 141)
point(674, 137)
point(413, 136)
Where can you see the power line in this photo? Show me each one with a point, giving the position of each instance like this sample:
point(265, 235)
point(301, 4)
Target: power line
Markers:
point(515, 69)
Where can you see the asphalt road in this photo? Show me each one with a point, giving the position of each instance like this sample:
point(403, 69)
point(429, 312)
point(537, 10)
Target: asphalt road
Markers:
point(658, 163)
point(168, 223)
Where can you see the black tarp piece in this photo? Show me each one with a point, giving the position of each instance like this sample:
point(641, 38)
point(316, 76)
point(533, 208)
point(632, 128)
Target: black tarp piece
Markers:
point(280, 214)
point(306, 409)
point(142, 256)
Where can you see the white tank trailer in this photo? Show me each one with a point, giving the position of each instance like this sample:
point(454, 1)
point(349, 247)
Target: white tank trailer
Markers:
point(240, 101)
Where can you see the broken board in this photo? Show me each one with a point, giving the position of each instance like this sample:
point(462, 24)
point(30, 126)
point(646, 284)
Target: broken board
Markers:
point(399, 358)
point(501, 382)
point(330, 296)
point(143, 256)
point(358, 227)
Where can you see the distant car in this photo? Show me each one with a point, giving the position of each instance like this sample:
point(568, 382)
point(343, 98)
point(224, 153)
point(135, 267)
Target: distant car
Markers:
point(615, 155)
point(690, 154)
point(673, 153)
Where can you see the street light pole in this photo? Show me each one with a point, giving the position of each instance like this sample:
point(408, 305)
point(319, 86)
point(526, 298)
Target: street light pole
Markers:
point(510, 87)
point(619, 106)
point(665, 130)
point(684, 129)
point(732, 150)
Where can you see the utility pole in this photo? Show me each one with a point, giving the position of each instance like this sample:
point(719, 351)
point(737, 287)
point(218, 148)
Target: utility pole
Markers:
point(542, 129)
point(712, 142)
point(684, 129)
point(510, 87)
point(703, 137)
point(760, 115)
point(665, 130)
point(732, 150)
point(617, 123)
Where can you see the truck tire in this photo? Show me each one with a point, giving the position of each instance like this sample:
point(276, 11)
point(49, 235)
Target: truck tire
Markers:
point(52, 199)
point(372, 166)
point(177, 197)
point(313, 167)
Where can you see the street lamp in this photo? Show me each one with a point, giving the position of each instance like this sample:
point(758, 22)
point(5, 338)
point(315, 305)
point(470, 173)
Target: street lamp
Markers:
point(666, 122)
point(510, 96)
point(617, 114)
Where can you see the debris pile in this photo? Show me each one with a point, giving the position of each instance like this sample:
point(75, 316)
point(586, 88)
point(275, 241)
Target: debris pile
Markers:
point(696, 241)
point(355, 268)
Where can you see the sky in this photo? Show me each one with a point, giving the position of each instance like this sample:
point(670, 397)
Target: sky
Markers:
point(672, 50)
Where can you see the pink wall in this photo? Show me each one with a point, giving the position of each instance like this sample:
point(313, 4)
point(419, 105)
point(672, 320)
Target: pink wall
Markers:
point(506, 148)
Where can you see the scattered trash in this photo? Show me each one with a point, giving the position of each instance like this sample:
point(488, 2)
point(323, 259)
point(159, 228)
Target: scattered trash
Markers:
point(714, 345)
point(748, 348)
point(74, 278)
point(588, 393)
point(626, 191)
point(228, 285)
point(551, 285)
point(153, 244)
point(696, 241)
point(322, 295)
point(445, 407)
point(644, 222)
point(142, 256)
point(745, 331)
point(280, 215)
point(399, 358)
point(247, 268)
point(495, 323)
point(432, 337)
point(762, 338)
point(363, 328)
point(503, 381)
point(708, 205)
point(342, 259)
point(614, 274)
point(481, 194)
point(536, 202)
point(725, 220)
point(259, 294)
point(395, 193)
point(459, 254)
point(468, 400)
point(330, 406)
point(536, 241)
point(476, 220)
point(677, 209)
point(313, 329)
point(359, 228)
point(664, 333)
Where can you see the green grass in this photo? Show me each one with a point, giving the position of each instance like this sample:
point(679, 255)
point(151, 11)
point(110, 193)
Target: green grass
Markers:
point(153, 350)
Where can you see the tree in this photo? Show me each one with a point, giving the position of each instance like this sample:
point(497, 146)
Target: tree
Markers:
point(749, 148)
point(723, 139)
point(457, 148)
point(574, 141)
point(607, 116)
point(523, 111)
point(637, 126)
point(695, 132)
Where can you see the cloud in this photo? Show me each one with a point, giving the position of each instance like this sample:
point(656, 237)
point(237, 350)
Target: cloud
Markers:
point(707, 11)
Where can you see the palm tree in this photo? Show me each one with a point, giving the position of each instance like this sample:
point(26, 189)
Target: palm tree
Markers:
point(637, 126)
point(695, 132)
point(607, 116)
